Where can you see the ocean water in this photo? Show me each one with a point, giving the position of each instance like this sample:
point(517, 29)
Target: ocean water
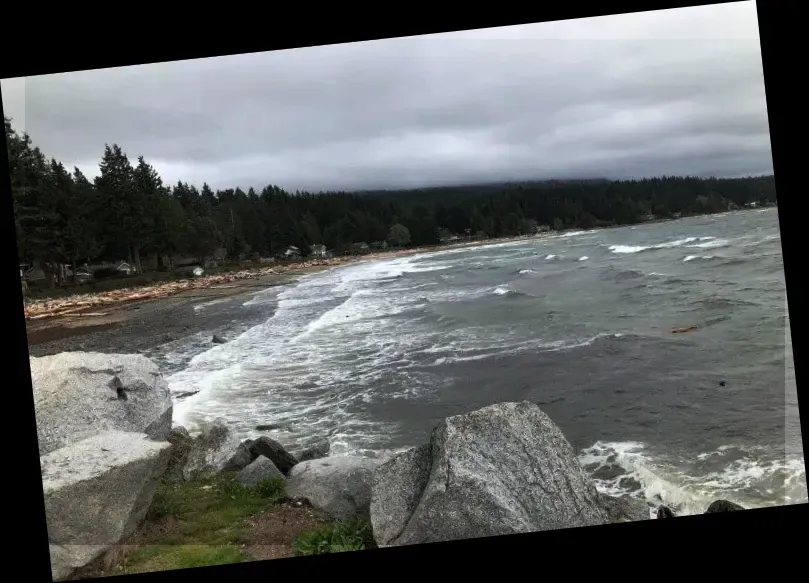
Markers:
point(373, 355)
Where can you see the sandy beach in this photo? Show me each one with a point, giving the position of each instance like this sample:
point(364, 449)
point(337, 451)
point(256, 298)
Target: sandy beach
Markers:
point(135, 326)
point(135, 320)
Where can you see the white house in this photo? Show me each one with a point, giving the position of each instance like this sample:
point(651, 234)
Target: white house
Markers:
point(124, 268)
point(292, 251)
point(318, 250)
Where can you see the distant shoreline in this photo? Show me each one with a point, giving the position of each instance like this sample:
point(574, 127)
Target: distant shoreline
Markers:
point(49, 319)
point(89, 302)
point(135, 325)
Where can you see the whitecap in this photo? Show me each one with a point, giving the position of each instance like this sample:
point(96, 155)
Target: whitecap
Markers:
point(627, 248)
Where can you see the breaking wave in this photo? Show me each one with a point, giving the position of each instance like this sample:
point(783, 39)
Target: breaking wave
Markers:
point(707, 242)
point(743, 475)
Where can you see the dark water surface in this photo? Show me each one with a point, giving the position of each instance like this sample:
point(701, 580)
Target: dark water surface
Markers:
point(373, 355)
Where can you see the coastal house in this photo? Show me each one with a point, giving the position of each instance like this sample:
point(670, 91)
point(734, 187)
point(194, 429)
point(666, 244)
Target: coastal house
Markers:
point(319, 251)
point(292, 252)
point(124, 268)
point(33, 273)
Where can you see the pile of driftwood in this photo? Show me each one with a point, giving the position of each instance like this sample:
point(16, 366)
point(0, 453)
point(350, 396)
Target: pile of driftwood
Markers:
point(49, 308)
point(79, 304)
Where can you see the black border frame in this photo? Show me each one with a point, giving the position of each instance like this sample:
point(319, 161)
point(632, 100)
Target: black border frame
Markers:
point(33, 45)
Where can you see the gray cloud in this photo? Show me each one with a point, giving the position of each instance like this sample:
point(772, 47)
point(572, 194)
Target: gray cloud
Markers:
point(670, 92)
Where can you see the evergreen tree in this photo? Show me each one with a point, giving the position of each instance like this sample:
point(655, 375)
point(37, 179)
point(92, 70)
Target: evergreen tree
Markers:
point(62, 217)
point(125, 219)
point(399, 235)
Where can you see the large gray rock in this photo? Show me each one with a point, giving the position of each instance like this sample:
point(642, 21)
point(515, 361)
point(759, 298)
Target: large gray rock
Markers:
point(341, 486)
point(319, 449)
point(624, 509)
point(723, 506)
point(258, 471)
point(499, 470)
point(181, 443)
point(396, 491)
point(81, 394)
point(241, 457)
point(209, 452)
point(97, 491)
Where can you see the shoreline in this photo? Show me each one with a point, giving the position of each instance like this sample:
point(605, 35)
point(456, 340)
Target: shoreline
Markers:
point(115, 324)
point(79, 304)
point(140, 326)
point(59, 325)
point(86, 321)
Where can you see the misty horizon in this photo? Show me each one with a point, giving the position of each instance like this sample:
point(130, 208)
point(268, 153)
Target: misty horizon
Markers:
point(672, 92)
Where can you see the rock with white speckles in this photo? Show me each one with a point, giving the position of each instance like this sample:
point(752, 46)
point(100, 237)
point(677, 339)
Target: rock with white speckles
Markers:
point(215, 449)
point(97, 491)
point(624, 508)
point(339, 485)
point(502, 469)
point(261, 469)
point(81, 394)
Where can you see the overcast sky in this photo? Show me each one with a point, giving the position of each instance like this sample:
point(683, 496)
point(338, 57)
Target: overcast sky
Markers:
point(669, 92)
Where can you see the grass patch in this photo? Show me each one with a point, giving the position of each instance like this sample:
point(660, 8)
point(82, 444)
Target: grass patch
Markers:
point(168, 557)
point(352, 535)
point(215, 520)
point(218, 495)
point(207, 518)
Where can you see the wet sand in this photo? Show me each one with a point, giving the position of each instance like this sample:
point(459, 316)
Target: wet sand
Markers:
point(137, 326)
point(141, 325)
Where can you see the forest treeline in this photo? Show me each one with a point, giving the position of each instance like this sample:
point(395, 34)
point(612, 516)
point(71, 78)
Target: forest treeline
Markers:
point(127, 211)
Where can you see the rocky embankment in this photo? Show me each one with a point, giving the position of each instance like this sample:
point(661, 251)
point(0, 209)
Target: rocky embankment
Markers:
point(106, 442)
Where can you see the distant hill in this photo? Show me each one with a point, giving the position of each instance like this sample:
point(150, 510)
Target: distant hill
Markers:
point(487, 187)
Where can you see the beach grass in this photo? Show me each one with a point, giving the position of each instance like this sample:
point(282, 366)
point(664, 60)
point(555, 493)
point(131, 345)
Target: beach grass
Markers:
point(198, 523)
point(351, 535)
point(216, 521)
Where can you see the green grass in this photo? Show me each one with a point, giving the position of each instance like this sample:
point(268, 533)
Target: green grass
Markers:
point(209, 523)
point(168, 557)
point(203, 522)
point(352, 535)
point(206, 498)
